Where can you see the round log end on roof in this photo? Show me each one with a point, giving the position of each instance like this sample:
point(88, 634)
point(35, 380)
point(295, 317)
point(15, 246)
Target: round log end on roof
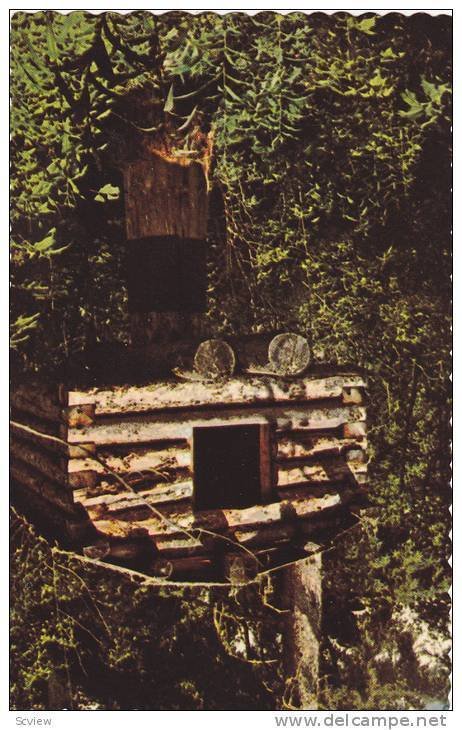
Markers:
point(289, 354)
point(214, 359)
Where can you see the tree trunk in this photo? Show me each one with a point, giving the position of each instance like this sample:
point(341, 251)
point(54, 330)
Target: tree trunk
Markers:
point(166, 224)
point(302, 596)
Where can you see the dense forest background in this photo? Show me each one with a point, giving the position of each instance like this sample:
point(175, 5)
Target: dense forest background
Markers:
point(326, 144)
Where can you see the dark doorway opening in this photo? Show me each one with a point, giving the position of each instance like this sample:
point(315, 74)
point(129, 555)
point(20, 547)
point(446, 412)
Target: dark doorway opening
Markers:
point(231, 465)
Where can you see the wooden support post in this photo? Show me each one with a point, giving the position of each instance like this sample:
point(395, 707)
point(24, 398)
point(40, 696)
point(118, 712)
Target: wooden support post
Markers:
point(59, 692)
point(302, 597)
point(166, 223)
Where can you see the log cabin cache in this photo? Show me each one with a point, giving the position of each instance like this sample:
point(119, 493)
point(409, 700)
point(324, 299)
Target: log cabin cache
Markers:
point(223, 469)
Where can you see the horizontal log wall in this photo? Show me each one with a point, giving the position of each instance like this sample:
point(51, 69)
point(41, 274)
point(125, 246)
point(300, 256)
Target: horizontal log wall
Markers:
point(138, 429)
point(122, 459)
point(237, 391)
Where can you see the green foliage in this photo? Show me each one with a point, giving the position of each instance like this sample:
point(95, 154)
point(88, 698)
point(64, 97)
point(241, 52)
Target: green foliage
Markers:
point(20, 330)
point(330, 213)
point(372, 658)
point(85, 637)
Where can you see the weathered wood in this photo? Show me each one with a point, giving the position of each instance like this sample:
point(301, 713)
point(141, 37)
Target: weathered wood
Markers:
point(38, 483)
point(353, 395)
point(136, 507)
point(165, 427)
point(303, 507)
point(72, 398)
point(312, 469)
point(289, 354)
point(74, 466)
point(272, 535)
point(40, 425)
point(40, 460)
point(48, 515)
point(264, 514)
point(214, 359)
point(22, 432)
point(166, 222)
point(130, 510)
point(79, 415)
point(86, 478)
point(356, 429)
point(361, 477)
point(128, 550)
point(175, 567)
point(301, 593)
point(359, 470)
point(161, 465)
point(37, 399)
point(116, 529)
point(55, 468)
point(175, 541)
point(179, 546)
point(80, 450)
point(300, 445)
point(98, 551)
point(165, 197)
point(160, 494)
point(237, 391)
point(160, 530)
point(329, 471)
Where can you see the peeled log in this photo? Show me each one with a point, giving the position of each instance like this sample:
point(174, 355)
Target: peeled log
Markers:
point(163, 465)
point(329, 471)
point(43, 461)
point(272, 535)
point(214, 359)
point(38, 402)
point(51, 466)
point(300, 445)
point(160, 494)
point(238, 390)
point(176, 567)
point(24, 433)
point(289, 354)
point(42, 486)
point(179, 546)
point(144, 429)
